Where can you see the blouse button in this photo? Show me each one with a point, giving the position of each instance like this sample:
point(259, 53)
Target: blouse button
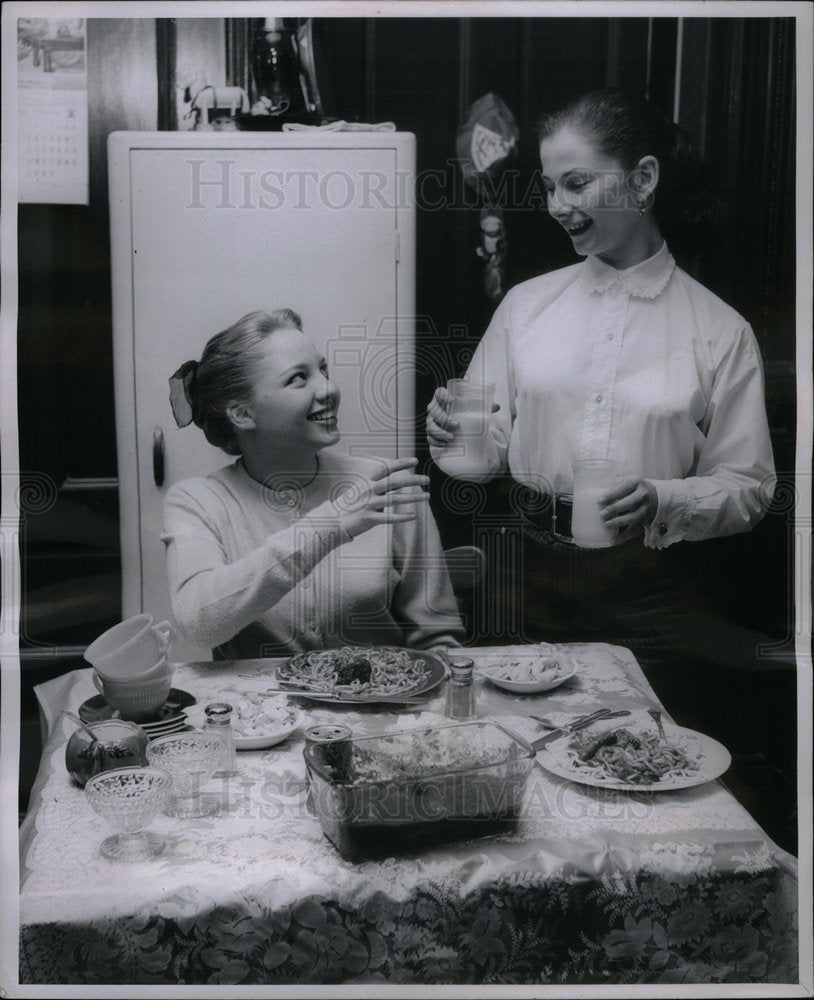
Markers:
point(599, 399)
point(662, 528)
point(610, 336)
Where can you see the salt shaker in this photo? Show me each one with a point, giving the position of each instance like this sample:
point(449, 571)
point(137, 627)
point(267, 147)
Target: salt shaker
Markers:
point(219, 723)
point(460, 703)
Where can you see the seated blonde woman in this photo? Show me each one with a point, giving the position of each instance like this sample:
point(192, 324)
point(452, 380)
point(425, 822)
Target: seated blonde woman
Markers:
point(295, 546)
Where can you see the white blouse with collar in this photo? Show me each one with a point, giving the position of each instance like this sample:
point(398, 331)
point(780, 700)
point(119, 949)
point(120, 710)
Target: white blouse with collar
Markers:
point(644, 366)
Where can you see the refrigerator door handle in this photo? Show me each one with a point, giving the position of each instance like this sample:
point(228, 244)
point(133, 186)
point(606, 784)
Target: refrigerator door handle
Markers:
point(158, 456)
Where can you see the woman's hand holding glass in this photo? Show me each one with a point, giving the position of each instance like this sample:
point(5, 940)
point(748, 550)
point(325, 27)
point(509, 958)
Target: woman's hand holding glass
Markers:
point(387, 496)
point(629, 505)
point(441, 426)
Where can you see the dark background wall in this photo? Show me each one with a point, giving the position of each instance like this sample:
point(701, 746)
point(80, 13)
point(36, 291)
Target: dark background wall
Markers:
point(733, 83)
point(734, 87)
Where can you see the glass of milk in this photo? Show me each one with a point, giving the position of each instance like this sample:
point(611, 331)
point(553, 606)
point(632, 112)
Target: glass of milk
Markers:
point(471, 405)
point(592, 479)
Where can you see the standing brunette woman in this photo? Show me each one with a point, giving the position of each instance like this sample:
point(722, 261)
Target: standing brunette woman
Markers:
point(624, 357)
point(295, 546)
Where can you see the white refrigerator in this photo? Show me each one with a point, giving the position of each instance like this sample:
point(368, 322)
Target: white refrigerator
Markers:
point(206, 227)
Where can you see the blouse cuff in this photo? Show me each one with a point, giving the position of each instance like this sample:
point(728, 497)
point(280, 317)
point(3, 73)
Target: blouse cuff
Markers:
point(675, 513)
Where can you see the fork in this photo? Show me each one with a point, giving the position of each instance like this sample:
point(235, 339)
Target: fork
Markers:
point(582, 720)
point(655, 715)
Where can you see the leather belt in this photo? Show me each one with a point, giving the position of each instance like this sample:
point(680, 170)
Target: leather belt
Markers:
point(551, 513)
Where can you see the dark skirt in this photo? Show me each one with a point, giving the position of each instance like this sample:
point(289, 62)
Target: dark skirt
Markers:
point(651, 601)
point(626, 594)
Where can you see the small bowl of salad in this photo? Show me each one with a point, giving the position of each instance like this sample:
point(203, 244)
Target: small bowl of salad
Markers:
point(258, 721)
point(529, 669)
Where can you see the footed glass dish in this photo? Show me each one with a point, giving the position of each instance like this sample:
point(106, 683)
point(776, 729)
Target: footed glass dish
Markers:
point(190, 759)
point(129, 799)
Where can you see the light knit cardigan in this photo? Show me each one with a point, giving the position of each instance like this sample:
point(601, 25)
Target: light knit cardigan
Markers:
point(255, 571)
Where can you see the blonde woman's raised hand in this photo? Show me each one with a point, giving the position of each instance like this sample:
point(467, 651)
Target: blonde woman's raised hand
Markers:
point(389, 495)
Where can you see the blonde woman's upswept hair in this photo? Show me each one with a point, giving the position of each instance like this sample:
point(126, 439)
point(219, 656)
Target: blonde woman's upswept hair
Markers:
point(226, 371)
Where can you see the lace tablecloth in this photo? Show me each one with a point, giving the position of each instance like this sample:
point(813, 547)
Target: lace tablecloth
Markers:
point(593, 886)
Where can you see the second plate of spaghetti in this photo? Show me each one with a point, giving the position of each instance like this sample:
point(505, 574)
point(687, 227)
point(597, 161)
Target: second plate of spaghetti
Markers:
point(636, 760)
point(361, 673)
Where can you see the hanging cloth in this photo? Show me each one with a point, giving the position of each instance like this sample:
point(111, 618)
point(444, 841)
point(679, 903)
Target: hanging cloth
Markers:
point(486, 142)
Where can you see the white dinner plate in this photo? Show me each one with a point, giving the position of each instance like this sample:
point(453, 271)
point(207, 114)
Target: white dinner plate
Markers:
point(525, 660)
point(711, 758)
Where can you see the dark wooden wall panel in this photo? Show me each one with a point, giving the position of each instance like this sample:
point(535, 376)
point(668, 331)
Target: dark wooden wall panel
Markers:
point(736, 93)
point(70, 547)
point(65, 359)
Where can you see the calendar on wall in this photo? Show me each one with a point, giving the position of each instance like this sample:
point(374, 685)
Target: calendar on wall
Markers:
point(52, 111)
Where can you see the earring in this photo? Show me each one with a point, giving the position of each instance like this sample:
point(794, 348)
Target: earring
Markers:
point(642, 208)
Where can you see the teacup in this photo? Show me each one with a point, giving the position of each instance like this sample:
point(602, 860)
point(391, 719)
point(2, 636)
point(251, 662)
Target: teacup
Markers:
point(161, 666)
point(131, 648)
point(136, 700)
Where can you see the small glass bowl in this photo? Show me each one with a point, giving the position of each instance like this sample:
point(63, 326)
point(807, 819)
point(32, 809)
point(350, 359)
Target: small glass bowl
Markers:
point(129, 798)
point(190, 759)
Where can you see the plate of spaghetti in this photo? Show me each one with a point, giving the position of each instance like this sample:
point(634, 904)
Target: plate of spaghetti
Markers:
point(633, 757)
point(361, 673)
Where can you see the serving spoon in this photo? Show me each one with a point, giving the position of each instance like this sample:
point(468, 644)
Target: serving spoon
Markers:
point(81, 724)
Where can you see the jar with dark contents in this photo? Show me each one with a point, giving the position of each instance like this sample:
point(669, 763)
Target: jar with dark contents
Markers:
point(331, 744)
point(334, 747)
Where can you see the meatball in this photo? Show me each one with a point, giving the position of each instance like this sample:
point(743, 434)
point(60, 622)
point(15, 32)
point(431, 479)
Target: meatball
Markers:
point(357, 668)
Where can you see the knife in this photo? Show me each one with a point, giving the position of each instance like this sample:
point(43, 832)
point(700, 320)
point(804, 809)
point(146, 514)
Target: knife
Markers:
point(393, 699)
point(603, 713)
point(302, 693)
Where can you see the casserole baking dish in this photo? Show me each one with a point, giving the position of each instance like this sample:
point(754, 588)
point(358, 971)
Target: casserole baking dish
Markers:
point(383, 795)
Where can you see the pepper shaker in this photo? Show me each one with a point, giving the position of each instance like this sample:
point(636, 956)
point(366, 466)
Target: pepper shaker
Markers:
point(460, 700)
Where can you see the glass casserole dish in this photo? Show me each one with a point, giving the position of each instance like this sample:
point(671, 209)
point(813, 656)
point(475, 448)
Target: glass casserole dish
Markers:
point(386, 794)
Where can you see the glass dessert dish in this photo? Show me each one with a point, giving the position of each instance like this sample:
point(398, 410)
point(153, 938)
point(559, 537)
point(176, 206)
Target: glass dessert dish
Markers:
point(129, 799)
point(190, 759)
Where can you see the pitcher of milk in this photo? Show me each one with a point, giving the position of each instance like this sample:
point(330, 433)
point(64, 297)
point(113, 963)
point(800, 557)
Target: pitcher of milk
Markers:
point(592, 479)
point(471, 405)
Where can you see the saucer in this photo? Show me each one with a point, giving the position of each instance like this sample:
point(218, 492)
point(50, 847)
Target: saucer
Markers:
point(164, 728)
point(171, 713)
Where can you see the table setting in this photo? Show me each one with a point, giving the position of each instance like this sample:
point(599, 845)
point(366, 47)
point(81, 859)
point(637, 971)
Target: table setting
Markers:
point(566, 832)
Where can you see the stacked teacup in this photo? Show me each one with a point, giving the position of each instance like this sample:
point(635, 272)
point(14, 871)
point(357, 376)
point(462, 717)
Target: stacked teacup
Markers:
point(131, 668)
